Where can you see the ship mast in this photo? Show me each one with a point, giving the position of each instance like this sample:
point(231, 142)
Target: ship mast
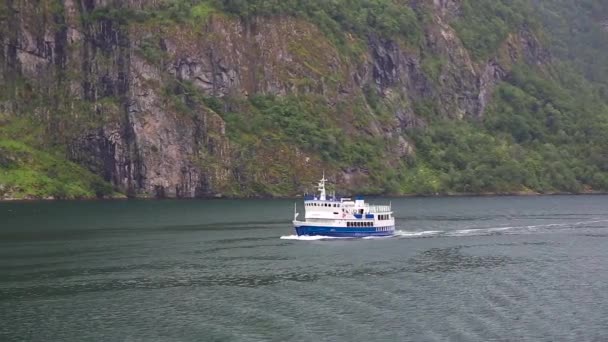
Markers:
point(321, 188)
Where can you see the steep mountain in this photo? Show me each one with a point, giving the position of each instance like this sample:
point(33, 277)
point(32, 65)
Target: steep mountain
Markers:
point(207, 98)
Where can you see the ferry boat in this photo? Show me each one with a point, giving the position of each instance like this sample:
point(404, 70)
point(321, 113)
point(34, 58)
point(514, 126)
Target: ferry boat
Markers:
point(342, 217)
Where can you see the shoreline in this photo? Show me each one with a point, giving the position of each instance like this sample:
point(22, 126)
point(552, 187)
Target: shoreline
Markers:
point(436, 195)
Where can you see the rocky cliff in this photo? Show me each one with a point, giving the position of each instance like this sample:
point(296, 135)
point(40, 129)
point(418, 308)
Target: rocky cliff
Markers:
point(158, 101)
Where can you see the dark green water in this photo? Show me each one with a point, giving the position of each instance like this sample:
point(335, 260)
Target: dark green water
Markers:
point(461, 269)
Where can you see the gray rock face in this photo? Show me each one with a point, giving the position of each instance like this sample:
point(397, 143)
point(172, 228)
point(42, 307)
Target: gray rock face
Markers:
point(158, 142)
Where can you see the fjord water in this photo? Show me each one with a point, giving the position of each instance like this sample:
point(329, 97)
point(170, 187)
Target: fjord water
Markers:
point(463, 269)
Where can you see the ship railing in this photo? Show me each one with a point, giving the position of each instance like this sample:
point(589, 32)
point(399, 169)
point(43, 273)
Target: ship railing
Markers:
point(379, 208)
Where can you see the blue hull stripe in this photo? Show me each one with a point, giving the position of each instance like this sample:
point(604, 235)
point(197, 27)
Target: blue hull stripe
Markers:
point(343, 232)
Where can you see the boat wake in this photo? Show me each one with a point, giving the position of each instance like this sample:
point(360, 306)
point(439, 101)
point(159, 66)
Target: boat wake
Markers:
point(492, 230)
point(458, 233)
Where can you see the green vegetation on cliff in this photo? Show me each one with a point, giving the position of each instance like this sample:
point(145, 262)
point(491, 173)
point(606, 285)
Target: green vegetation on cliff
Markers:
point(28, 172)
point(375, 109)
point(540, 134)
point(485, 24)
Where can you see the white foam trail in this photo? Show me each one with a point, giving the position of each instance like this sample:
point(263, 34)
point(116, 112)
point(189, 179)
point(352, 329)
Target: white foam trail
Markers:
point(499, 229)
point(377, 237)
point(403, 233)
point(308, 237)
